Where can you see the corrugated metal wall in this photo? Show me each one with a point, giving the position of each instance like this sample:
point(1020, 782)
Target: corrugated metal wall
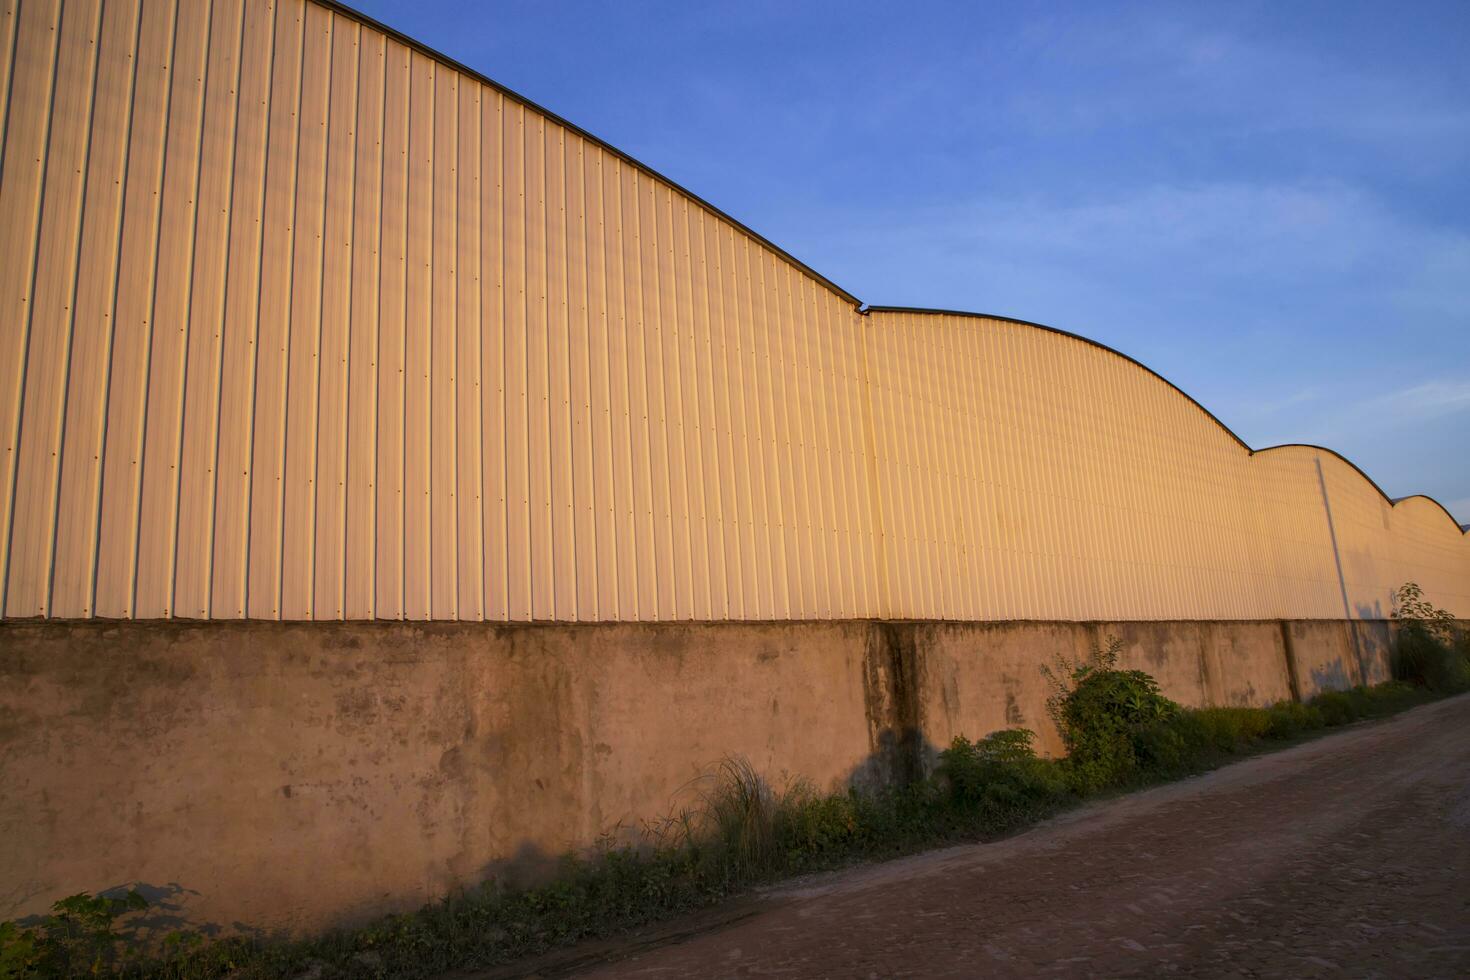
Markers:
point(297, 321)
point(1027, 474)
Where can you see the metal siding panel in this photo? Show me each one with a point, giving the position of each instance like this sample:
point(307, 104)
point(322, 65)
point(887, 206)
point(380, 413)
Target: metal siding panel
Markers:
point(493, 371)
point(773, 445)
point(621, 364)
point(9, 15)
point(418, 325)
point(857, 509)
point(933, 384)
point(231, 497)
point(655, 371)
point(692, 329)
point(583, 496)
point(971, 445)
point(752, 472)
point(53, 296)
point(872, 517)
point(443, 382)
point(542, 554)
point(202, 375)
point(742, 519)
point(603, 449)
point(392, 328)
point(834, 447)
point(162, 435)
point(27, 130)
point(304, 337)
point(133, 319)
point(674, 322)
point(339, 258)
point(272, 348)
point(795, 480)
point(79, 493)
point(557, 381)
point(517, 374)
point(726, 591)
point(908, 542)
point(360, 534)
point(641, 408)
point(469, 521)
point(809, 389)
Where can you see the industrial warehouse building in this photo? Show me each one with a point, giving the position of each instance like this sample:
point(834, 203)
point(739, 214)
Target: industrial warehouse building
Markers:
point(319, 352)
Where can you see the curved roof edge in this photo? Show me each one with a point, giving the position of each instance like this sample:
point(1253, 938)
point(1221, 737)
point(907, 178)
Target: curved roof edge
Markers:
point(1075, 336)
point(362, 18)
point(439, 56)
point(1392, 501)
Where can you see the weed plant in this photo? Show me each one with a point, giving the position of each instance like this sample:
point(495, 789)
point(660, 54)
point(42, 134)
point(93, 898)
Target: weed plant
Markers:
point(1431, 650)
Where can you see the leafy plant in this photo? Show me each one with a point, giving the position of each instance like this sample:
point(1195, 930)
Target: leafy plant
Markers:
point(76, 939)
point(1001, 779)
point(1099, 711)
point(1430, 649)
point(1065, 674)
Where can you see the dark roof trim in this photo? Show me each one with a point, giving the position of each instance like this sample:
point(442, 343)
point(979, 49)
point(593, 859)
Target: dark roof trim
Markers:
point(404, 39)
point(1393, 501)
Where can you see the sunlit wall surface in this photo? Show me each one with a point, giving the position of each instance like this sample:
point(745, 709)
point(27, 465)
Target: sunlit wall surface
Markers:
point(300, 322)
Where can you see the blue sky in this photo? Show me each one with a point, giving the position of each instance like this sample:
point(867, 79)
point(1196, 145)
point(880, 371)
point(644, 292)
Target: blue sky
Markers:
point(1268, 203)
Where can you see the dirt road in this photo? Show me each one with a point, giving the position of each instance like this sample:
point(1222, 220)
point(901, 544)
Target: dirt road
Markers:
point(1349, 855)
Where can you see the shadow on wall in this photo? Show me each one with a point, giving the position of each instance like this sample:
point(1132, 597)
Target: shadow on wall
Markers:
point(898, 756)
point(167, 913)
point(1332, 677)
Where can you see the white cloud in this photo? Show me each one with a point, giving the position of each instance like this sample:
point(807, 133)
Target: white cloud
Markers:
point(1431, 399)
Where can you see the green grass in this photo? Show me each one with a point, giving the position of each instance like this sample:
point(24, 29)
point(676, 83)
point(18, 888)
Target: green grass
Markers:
point(743, 832)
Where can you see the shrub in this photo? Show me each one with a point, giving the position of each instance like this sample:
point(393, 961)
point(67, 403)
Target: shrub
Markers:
point(77, 938)
point(1100, 719)
point(1420, 657)
point(1192, 739)
point(1337, 707)
point(814, 827)
point(1287, 719)
point(1430, 649)
point(1000, 779)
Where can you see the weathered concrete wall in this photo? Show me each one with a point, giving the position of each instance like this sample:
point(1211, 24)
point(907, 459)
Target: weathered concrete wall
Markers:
point(294, 776)
point(1325, 655)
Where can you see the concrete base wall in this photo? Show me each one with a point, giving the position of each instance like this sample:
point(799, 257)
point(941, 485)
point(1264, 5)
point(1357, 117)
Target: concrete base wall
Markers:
point(291, 777)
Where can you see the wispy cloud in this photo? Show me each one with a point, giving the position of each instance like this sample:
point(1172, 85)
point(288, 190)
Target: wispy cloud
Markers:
point(1428, 400)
